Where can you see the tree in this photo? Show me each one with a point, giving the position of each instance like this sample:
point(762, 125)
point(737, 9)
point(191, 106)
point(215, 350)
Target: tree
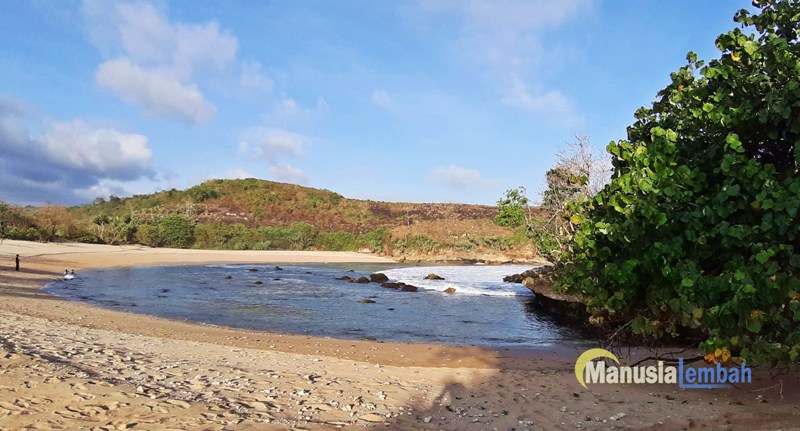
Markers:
point(579, 173)
point(512, 208)
point(697, 233)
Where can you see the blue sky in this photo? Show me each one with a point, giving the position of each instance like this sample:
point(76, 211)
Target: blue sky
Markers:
point(422, 101)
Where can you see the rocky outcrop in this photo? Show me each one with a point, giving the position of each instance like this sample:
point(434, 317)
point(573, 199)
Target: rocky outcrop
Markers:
point(450, 290)
point(433, 277)
point(361, 280)
point(378, 277)
point(541, 282)
point(540, 272)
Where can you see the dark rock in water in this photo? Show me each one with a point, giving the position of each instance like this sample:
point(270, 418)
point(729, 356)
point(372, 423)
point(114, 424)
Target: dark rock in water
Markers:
point(433, 277)
point(362, 280)
point(402, 286)
point(259, 282)
point(345, 278)
point(252, 269)
point(450, 290)
point(277, 279)
point(309, 272)
point(366, 301)
point(228, 277)
point(164, 290)
point(278, 268)
point(378, 277)
point(390, 309)
point(351, 270)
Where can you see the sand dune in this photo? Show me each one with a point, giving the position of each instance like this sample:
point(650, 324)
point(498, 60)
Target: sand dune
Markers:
point(66, 364)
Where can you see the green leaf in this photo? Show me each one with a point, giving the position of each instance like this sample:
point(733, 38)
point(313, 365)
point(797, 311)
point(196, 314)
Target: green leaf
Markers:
point(750, 47)
point(733, 141)
point(762, 257)
point(687, 282)
point(754, 326)
point(732, 190)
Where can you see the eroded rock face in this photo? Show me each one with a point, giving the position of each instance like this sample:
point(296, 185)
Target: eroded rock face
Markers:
point(433, 277)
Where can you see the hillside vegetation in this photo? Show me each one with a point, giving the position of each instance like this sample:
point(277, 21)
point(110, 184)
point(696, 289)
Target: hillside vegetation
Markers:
point(263, 215)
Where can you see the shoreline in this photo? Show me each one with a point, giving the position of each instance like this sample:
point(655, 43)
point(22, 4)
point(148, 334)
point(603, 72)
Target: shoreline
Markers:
point(401, 385)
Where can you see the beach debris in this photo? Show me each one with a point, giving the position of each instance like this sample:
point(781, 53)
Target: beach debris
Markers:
point(617, 416)
point(450, 290)
point(366, 301)
point(378, 277)
point(433, 277)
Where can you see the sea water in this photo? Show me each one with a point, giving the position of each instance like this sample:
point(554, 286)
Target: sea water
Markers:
point(307, 299)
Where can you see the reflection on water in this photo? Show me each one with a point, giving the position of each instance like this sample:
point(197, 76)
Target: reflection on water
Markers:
point(306, 299)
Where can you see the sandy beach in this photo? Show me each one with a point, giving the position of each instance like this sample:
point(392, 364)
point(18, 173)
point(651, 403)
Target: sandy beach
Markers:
point(67, 365)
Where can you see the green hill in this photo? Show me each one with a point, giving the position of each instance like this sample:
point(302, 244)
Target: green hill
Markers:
point(258, 214)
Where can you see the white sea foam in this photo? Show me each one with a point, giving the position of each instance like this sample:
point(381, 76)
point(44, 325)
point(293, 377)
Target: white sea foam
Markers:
point(470, 280)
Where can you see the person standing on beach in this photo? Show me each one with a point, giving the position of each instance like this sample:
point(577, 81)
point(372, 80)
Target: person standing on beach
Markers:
point(17, 261)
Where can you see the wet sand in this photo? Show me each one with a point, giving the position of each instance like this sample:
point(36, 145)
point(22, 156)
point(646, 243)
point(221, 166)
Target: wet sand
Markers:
point(66, 364)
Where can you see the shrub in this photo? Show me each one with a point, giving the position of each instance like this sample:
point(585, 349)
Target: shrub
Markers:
point(336, 241)
point(176, 231)
point(374, 240)
point(698, 231)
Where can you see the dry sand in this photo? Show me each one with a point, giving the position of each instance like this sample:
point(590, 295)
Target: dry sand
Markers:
point(67, 365)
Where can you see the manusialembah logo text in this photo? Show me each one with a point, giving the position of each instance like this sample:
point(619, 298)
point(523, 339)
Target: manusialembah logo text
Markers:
point(589, 370)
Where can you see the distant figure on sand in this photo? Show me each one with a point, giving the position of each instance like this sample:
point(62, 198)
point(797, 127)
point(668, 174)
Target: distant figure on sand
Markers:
point(17, 262)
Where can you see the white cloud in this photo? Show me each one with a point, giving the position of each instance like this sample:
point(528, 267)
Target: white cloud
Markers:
point(69, 161)
point(252, 77)
point(157, 91)
point(154, 61)
point(381, 98)
point(98, 151)
point(272, 144)
point(457, 177)
point(288, 174)
point(507, 37)
point(552, 104)
point(289, 111)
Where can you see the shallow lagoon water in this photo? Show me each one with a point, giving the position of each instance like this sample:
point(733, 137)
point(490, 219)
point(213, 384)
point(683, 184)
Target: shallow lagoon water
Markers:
point(306, 299)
